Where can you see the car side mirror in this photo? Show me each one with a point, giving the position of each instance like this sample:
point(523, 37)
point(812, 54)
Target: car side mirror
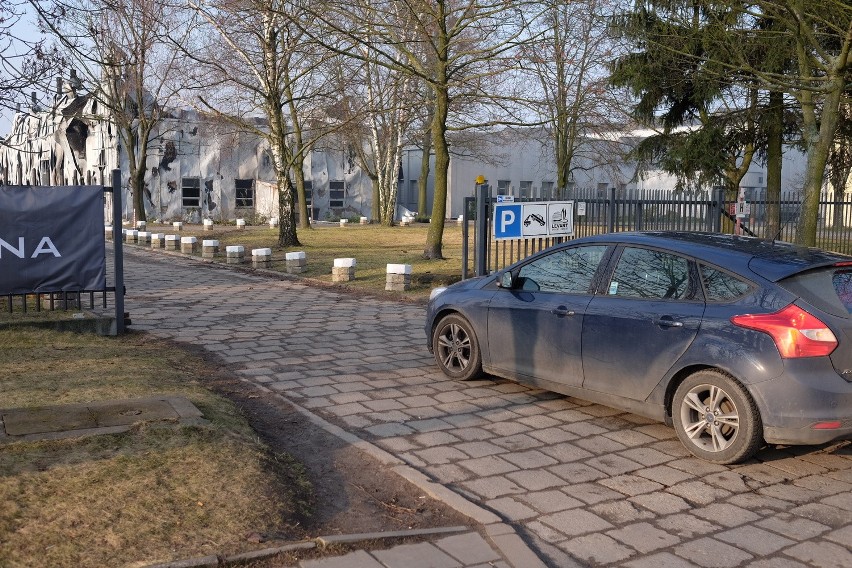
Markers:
point(506, 280)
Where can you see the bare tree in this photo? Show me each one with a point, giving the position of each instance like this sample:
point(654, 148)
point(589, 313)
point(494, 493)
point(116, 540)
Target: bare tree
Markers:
point(258, 61)
point(453, 46)
point(26, 59)
point(569, 58)
point(118, 47)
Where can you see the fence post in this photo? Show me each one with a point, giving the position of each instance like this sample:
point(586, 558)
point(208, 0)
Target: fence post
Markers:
point(610, 217)
point(481, 229)
point(465, 236)
point(717, 201)
point(118, 251)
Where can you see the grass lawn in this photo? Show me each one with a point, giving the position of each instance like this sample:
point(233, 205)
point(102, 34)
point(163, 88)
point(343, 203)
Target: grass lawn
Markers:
point(150, 495)
point(372, 246)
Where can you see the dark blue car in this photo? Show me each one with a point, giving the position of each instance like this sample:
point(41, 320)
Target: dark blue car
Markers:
point(734, 341)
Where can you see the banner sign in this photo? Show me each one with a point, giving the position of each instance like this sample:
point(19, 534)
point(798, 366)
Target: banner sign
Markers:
point(51, 239)
point(534, 220)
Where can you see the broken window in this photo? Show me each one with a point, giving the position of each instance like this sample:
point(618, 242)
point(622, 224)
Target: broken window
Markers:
point(191, 192)
point(336, 193)
point(244, 192)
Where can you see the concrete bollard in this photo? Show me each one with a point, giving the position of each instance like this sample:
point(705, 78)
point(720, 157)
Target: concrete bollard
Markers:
point(158, 240)
point(108, 232)
point(273, 222)
point(296, 262)
point(178, 225)
point(261, 258)
point(208, 224)
point(344, 222)
point(343, 270)
point(241, 223)
point(141, 225)
point(460, 220)
point(364, 221)
point(172, 242)
point(209, 248)
point(235, 254)
point(398, 277)
point(143, 238)
point(188, 245)
point(131, 236)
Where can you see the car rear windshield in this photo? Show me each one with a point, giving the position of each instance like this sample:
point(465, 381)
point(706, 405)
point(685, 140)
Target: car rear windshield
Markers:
point(829, 289)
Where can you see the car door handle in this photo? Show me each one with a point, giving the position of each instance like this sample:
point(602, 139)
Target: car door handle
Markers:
point(668, 322)
point(562, 311)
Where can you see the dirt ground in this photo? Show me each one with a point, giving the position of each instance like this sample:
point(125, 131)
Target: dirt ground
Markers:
point(350, 492)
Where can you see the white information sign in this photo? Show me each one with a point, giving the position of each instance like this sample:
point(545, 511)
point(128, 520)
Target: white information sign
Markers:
point(533, 220)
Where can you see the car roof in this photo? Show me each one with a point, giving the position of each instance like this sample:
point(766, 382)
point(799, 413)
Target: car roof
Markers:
point(773, 260)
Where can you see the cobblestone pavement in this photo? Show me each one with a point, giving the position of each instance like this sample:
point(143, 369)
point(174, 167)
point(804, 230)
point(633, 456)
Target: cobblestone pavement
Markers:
point(584, 483)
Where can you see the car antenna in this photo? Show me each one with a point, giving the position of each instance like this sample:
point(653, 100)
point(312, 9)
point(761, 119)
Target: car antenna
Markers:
point(785, 225)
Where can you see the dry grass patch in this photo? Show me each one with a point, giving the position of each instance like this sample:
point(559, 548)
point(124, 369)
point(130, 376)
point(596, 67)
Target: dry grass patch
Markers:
point(373, 247)
point(156, 493)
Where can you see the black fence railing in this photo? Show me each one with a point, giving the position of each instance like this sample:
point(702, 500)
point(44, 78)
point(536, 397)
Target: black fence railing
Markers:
point(598, 211)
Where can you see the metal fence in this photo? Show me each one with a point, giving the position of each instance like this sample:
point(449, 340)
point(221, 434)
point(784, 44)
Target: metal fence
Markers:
point(613, 210)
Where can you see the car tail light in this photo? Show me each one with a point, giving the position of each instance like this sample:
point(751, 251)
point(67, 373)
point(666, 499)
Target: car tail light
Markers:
point(796, 332)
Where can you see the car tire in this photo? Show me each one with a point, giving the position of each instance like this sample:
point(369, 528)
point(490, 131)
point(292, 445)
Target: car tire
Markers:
point(456, 348)
point(716, 418)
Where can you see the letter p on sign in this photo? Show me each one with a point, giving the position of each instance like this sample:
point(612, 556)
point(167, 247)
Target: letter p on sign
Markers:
point(507, 221)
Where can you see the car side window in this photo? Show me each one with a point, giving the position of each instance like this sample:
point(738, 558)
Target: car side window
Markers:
point(651, 274)
point(568, 271)
point(720, 286)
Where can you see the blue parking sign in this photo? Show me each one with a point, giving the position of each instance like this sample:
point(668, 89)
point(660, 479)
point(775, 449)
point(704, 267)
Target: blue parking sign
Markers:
point(507, 221)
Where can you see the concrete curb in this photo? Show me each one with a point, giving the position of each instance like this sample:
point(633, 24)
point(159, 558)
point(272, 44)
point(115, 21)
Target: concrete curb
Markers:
point(502, 535)
point(214, 561)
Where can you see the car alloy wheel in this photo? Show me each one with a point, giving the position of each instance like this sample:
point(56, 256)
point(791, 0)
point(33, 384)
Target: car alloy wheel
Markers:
point(456, 348)
point(716, 419)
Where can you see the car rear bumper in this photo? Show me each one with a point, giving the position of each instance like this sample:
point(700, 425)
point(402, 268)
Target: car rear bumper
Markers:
point(810, 403)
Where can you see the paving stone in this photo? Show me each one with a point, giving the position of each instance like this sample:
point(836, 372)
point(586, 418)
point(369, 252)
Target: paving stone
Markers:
point(822, 513)
point(429, 425)
point(644, 537)
point(660, 560)
point(686, 525)
point(620, 512)
point(493, 487)
point(840, 536)
point(661, 503)
point(529, 459)
point(468, 548)
point(646, 456)
point(763, 474)
point(613, 464)
point(575, 522)
point(776, 562)
point(760, 503)
point(630, 484)
point(597, 549)
point(822, 554)
point(730, 481)
point(440, 455)
point(390, 430)
point(726, 514)
point(550, 501)
point(824, 484)
point(488, 465)
point(712, 553)
point(511, 509)
point(437, 438)
point(755, 540)
point(383, 404)
point(346, 398)
point(479, 449)
point(591, 493)
point(448, 473)
point(517, 442)
point(664, 474)
point(347, 409)
point(793, 527)
point(535, 480)
point(420, 555)
point(552, 435)
point(599, 445)
point(576, 472)
point(566, 452)
point(698, 492)
point(357, 559)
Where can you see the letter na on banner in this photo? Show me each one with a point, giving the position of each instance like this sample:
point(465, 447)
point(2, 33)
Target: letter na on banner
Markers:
point(45, 246)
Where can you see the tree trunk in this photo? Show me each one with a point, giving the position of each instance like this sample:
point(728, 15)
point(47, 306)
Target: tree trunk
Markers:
point(434, 238)
point(775, 132)
point(423, 180)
